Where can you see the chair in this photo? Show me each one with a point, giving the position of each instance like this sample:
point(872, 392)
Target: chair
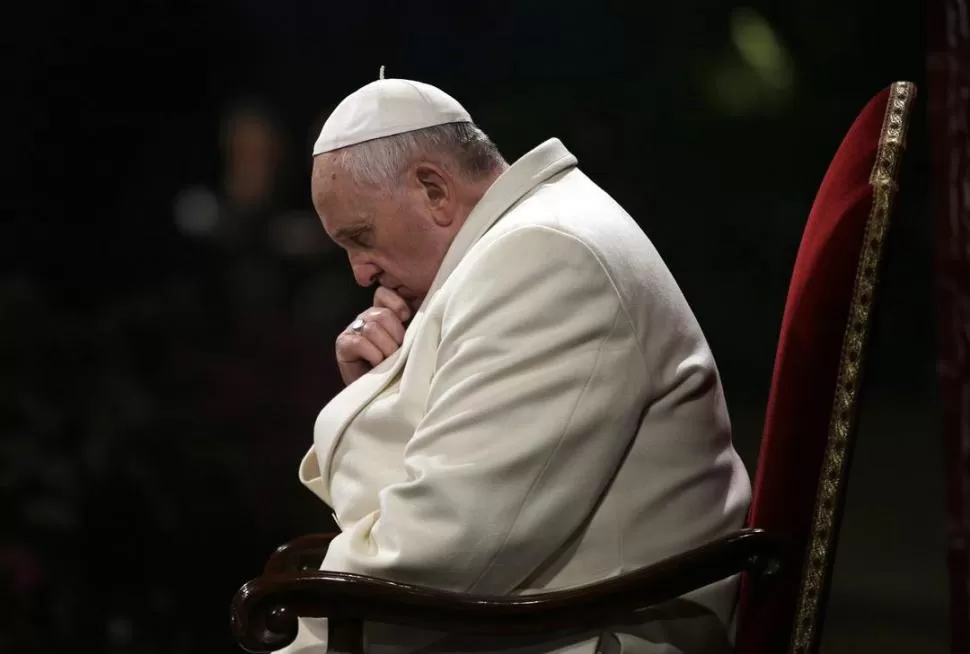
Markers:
point(787, 550)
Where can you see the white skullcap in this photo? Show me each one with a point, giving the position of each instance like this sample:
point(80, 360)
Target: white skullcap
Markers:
point(385, 108)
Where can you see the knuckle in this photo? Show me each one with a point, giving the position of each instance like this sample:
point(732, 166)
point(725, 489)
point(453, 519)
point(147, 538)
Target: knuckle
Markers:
point(354, 342)
point(344, 345)
point(380, 314)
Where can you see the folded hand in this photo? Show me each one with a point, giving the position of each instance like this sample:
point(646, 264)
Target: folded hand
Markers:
point(376, 334)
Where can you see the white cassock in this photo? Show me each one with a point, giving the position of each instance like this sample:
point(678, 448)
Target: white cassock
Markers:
point(554, 417)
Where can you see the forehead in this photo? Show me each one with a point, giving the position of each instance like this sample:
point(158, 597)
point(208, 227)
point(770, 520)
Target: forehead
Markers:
point(329, 188)
point(338, 201)
point(323, 177)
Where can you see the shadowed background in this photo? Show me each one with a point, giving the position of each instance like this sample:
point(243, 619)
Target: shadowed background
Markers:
point(168, 301)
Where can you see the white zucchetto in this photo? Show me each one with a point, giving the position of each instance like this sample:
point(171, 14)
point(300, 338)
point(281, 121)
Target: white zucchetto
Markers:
point(384, 108)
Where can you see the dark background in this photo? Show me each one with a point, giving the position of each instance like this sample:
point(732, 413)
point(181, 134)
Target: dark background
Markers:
point(168, 302)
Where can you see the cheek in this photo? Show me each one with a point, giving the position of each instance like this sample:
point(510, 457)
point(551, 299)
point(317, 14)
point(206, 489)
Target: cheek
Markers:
point(407, 240)
point(407, 249)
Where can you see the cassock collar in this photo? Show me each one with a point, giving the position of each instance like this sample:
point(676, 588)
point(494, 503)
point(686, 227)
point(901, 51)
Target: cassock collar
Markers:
point(532, 169)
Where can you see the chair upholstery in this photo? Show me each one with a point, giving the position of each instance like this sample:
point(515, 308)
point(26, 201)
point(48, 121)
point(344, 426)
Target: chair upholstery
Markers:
point(813, 402)
point(787, 551)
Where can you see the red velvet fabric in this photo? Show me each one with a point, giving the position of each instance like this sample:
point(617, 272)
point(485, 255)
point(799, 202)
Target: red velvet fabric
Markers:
point(804, 379)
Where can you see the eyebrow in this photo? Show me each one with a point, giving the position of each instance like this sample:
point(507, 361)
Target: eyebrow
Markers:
point(349, 232)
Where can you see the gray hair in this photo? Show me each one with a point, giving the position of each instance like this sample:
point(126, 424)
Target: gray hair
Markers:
point(461, 147)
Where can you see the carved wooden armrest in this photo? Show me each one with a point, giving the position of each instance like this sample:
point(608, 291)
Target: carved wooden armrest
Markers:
point(265, 610)
point(303, 553)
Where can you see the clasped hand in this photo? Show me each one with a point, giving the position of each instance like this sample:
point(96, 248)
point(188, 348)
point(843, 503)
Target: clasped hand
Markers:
point(378, 334)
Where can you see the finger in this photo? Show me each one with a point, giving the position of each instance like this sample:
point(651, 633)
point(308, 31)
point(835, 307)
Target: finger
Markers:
point(385, 297)
point(352, 348)
point(389, 320)
point(377, 335)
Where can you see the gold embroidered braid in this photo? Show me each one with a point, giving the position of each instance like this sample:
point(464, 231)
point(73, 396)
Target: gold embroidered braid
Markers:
point(817, 572)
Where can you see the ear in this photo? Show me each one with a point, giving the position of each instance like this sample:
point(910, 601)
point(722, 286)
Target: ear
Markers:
point(437, 187)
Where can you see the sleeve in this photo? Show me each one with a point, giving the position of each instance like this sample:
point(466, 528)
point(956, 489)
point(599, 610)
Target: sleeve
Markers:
point(536, 396)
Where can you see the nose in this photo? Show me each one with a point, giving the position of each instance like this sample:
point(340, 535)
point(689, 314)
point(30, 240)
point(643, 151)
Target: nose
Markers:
point(365, 272)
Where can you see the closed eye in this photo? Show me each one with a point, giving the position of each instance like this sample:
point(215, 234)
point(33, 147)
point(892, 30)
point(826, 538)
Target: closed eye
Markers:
point(363, 240)
point(361, 236)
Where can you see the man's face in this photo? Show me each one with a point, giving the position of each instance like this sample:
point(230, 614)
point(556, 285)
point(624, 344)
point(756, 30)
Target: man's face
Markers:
point(395, 238)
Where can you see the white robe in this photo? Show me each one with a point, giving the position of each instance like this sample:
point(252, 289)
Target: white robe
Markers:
point(554, 417)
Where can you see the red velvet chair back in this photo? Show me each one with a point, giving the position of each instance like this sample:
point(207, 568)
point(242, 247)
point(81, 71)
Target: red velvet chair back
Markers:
point(812, 406)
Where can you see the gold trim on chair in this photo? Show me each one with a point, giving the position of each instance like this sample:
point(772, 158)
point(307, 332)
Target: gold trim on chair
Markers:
point(828, 499)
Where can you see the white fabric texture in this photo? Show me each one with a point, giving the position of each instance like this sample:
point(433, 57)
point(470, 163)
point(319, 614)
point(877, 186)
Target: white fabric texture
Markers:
point(553, 418)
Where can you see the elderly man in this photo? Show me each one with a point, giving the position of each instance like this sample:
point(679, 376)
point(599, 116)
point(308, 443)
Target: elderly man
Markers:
point(530, 402)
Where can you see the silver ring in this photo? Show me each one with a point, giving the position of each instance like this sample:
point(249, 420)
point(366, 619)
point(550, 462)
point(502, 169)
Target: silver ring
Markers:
point(357, 327)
